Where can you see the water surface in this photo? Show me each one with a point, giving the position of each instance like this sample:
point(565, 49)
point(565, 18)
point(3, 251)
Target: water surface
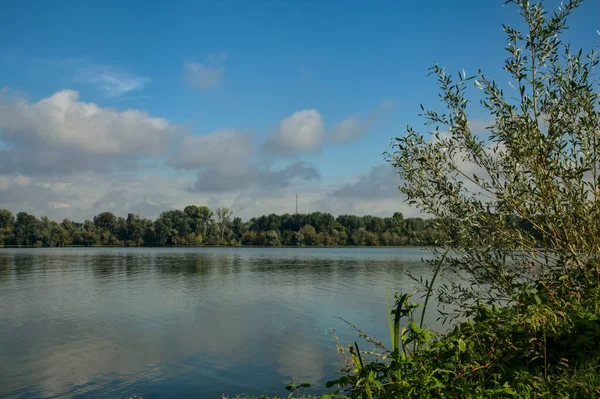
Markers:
point(201, 322)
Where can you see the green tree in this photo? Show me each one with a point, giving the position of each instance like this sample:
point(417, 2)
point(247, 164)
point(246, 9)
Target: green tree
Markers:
point(351, 222)
point(249, 238)
point(396, 223)
point(271, 239)
point(106, 221)
point(237, 228)
point(172, 228)
point(376, 225)
point(309, 235)
point(206, 218)
point(538, 161)
point(6, 219)
point(6, 225)
point(223, 222)
point(27, 229)
point(91, 235)
point(195, 218)
point(137, 230)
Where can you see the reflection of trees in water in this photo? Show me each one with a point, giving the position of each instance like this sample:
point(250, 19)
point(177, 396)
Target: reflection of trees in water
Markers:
point(25, 264)
point(5, 268)
point(35, 263)
point(188, 264)
point(303, 270)
point(199, 264)
point(138, 263)
point(104, 266)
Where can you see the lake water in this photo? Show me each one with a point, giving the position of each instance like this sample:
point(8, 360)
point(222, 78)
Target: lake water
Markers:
point(198, 322)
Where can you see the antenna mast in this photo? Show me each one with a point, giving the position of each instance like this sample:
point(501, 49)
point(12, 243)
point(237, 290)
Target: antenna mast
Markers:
point(296, 203)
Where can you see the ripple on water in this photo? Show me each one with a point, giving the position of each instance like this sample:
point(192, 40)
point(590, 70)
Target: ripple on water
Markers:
point(101, 322)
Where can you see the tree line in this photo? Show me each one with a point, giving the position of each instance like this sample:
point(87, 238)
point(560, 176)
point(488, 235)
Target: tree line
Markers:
point(200, 225)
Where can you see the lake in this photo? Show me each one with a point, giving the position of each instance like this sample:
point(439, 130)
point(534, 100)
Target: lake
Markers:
point(179, 322)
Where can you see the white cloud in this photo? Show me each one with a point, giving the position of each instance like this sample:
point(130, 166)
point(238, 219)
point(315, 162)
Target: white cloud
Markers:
point(62, 133)
point(83, 195)
point(301, 132)
point(23, 180)
point(58, 155)
point(481, 126)
point(113, 81)
point(355, 126)
point(235, 177)
point(221, 147)
point(304, 130)
point(4, 183)
point(59, 205)
point(206, 75)
point(348, 129)
point(374, 192)
point(381, 182)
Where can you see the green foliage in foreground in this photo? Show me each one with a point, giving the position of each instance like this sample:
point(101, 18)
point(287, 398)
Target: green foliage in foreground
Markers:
point(266, 397)
point(528, 302)
point(545, 346)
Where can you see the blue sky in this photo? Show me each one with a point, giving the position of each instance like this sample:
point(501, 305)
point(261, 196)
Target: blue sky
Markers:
point(295, 96)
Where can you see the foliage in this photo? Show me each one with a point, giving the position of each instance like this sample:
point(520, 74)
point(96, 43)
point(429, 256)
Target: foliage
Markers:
point(517, 208)
point(266, 397)
point(530, 181)
point(198, 225)
point(539, 348)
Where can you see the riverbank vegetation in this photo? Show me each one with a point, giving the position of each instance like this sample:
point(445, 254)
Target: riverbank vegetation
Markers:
point(199, 225)
point(526, 310)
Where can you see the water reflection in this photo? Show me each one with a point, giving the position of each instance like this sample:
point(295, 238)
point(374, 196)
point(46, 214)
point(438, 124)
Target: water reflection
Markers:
point(184, 322)
point(5, 268)
point(24, 264)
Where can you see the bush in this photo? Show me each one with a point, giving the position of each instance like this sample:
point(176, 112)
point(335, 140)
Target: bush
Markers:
point(517, 209)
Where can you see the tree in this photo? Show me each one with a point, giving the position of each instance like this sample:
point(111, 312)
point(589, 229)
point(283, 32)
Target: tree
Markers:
point(351, 222)
point(91, 235)
point(206, 216)
point(308, 234)
point(249, 238)
point(272, 239)
point(517, 211)
point(396, 223)
point(27, 229)
point(6, 224)
point(538, 161)
point(237, 228)
point(298, 239)
point(106, 224)
point(6, 219)
point(197, 225)
point(223, 216)
point(137, 230)
point(194, 217)
point(376, 225)
point(172, 228)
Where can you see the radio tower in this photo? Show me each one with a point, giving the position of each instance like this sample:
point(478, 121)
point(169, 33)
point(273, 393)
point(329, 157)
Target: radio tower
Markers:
point(296, 203)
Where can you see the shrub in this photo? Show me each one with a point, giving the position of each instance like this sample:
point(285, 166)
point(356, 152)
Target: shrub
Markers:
point(517, 207)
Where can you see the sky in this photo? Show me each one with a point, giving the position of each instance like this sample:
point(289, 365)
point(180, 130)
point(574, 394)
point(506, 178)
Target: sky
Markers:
point(147, 106)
